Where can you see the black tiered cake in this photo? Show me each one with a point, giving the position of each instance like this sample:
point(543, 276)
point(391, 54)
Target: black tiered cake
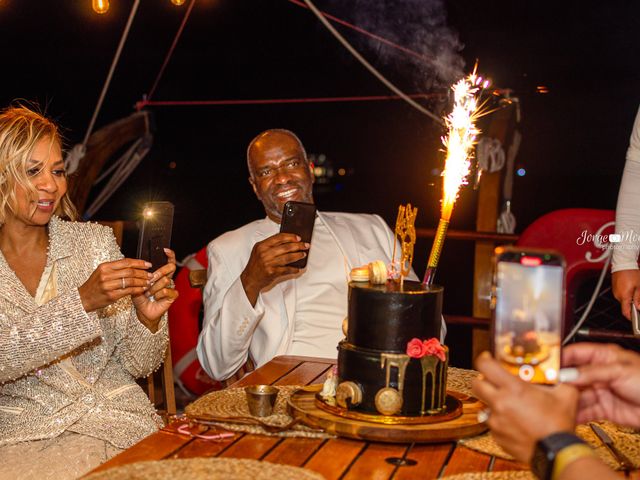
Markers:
point(375, 373)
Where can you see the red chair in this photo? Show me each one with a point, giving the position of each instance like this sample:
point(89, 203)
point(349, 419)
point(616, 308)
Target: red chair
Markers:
point(185, 323)
point(184, 327)
point(581, 235)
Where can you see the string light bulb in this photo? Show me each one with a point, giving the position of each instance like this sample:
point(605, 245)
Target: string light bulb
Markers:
point(178, 2)
point(100, 6)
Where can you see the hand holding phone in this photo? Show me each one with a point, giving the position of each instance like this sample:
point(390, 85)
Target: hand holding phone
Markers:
point(298, 218)
point(155, 233)
point(528, 312)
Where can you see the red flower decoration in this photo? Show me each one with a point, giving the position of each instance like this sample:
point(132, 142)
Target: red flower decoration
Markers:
point(416, 348)
point(435, 348)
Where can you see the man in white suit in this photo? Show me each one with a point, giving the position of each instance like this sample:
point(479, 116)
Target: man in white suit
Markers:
point(254, 304)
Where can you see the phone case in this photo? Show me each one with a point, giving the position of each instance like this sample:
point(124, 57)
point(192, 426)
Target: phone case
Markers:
point(155, 233)
point(298, 218)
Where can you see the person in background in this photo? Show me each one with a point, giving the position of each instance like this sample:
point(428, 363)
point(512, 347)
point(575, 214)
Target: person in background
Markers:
point(536, 423)
point(625, 278)
point(258, 307)
point(78, 322)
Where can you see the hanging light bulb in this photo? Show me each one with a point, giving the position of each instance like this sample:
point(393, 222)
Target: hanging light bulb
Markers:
point(178, 2)
point(100, 6)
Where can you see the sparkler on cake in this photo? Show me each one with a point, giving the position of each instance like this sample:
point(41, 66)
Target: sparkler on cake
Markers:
point(459, 142)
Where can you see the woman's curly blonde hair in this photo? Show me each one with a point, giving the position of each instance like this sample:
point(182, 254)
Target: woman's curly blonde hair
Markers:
point(20, 130)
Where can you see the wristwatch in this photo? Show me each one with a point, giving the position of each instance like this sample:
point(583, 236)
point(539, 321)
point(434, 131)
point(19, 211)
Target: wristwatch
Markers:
point(547, 451)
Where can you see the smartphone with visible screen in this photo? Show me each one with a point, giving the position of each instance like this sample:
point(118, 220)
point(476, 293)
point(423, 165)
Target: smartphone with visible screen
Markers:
point(298, 218)
point(155, 233)
point(528, 309)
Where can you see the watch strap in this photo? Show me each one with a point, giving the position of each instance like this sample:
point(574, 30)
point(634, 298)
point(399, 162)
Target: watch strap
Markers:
point(568, 455)
point(547, 450)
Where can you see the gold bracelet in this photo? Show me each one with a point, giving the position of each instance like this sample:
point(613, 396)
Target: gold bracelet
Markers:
point(568, 455)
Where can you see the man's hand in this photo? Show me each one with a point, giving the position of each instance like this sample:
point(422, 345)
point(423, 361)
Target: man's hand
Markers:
point(268, 262)
point(522, 413)
point(626, 289)
point(608, 380)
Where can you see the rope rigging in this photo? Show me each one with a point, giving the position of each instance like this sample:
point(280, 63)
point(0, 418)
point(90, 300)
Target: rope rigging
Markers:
point(122, 167)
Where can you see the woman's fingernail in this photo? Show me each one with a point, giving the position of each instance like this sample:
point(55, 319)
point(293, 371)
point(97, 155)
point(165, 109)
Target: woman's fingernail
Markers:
point(483, 415)
point(147, 264)
point(167, 251)
point(568, 375)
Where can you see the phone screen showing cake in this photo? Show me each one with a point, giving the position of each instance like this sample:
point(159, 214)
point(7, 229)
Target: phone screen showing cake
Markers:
point(529, 299)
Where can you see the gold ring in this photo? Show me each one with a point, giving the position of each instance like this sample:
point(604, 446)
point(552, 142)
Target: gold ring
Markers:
point(124, 285)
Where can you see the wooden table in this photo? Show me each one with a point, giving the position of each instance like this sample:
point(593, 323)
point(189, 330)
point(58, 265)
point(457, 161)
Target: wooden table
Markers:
point(338, 458)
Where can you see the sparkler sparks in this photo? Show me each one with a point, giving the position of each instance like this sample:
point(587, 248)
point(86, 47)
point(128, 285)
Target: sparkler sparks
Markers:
point(459, 142)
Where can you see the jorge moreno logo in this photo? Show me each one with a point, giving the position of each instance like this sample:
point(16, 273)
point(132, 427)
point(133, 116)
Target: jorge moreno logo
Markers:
point(600, 240)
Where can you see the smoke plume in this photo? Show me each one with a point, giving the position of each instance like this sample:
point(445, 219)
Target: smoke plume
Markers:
point(418, 25)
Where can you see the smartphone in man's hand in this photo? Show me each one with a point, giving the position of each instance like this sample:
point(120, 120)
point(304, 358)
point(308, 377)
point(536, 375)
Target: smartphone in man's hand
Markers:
point(528, 309)
point(298, 218)
point(155, 233)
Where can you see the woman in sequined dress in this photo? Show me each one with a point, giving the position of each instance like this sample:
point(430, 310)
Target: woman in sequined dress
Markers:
point(78, 322)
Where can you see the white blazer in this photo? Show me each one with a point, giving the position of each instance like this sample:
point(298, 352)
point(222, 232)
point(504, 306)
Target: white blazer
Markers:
point(232, 329)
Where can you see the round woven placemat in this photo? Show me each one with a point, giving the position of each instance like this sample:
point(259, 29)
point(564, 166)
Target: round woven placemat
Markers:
point(624, 439)
point(205, 468)
point(506, 475)
point(459, 380)
point(232, 402)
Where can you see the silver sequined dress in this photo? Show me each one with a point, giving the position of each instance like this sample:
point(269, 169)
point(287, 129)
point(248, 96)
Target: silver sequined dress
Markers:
point(63, 370)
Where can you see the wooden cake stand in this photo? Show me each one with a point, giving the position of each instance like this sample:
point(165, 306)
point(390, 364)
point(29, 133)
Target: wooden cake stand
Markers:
point(303, 405)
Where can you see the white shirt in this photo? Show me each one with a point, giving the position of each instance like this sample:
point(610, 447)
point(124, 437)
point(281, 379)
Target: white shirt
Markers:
point(625, 253)
point(321, 297)
point(232, 328)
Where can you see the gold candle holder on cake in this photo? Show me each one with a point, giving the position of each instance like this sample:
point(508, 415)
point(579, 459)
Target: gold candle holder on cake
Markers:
point(436, 250)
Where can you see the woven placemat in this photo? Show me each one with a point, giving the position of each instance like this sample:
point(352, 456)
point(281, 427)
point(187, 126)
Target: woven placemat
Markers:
point(205, 468)
point(232, 402)
point(625, 440)
point(459, 380)
point(506, 475)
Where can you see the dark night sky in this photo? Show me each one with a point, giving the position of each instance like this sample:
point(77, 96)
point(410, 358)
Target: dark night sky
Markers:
point(57, 52)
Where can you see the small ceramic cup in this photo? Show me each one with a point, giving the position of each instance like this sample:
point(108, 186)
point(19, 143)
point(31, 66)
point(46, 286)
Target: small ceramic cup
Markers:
point(261, 399)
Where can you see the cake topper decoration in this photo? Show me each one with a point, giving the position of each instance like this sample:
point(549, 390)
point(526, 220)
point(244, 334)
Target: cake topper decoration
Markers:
point(406, 233)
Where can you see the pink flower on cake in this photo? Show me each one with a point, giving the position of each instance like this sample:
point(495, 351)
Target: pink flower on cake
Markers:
point(435, 348)
point(416, 348)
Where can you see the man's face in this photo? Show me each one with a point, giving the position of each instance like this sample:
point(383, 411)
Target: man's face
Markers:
point(279, 173)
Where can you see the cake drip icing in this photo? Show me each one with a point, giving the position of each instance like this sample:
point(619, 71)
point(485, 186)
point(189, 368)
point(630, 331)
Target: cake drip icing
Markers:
point(438, 370)
point(398, 360)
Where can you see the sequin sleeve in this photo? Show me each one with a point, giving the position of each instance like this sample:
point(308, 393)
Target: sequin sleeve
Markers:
point(31, 340)
point(140, 351)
